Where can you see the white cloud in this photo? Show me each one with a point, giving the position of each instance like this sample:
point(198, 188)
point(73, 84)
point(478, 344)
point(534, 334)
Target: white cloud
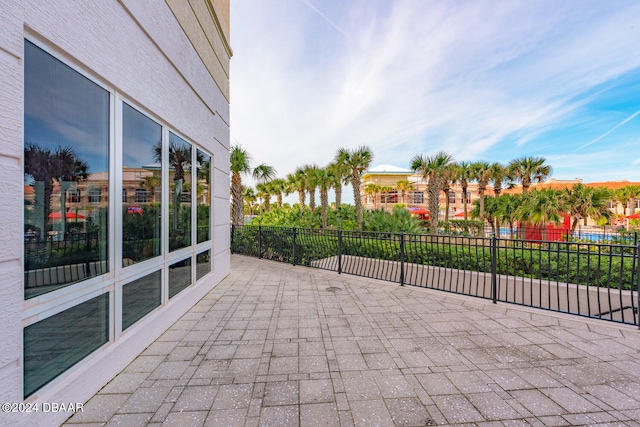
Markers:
point(408, 77)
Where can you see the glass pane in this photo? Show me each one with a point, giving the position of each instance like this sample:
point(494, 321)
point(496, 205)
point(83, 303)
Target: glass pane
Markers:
point(204, 196)
point(179, 276)
point(203, 264)
point(66, 168)
point(140, 297)
point(141, 177)
point(56, 343)
point(179, 192)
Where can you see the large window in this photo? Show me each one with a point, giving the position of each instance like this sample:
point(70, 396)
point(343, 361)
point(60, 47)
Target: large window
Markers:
point(53, 345)
point(69, 184)
point(204, 196)
point(140, 297)
point(179, 192)
point(66, 149)
point(203, 264)
point(141, 160)
point(179, 276)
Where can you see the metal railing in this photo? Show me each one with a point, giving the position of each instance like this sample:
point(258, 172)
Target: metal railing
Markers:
point(586, 279)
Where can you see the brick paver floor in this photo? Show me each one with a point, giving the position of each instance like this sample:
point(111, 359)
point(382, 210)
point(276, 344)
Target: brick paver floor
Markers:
point(277, 345)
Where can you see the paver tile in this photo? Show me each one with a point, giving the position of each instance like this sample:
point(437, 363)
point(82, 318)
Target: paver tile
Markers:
point(270, 346)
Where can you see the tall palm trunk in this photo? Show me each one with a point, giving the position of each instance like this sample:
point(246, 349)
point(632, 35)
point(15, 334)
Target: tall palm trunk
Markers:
point(464, 201)
point(338, 191)
point(324, 204)
point(312, 199)
point(355, 183)
point(433, 189)
point(301, 197)
point(238, 201)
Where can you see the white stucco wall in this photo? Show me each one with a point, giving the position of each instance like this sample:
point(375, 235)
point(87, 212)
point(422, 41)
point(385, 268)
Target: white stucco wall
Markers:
point(139, 51)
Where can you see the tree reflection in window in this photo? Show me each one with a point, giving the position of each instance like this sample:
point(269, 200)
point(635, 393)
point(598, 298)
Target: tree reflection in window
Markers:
point(141, 222)
point(66, 152)
point(179, 191)
point(203, 196)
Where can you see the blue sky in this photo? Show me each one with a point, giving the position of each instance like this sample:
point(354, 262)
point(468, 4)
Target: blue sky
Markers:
point(483, 80)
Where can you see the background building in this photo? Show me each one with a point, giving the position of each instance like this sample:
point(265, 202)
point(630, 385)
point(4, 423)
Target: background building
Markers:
point(114, 145)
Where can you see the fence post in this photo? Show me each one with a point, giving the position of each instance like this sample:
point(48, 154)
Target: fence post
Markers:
point(638, 282)
point(494, 278)
point(339, 251)
point(233, 232)
point(402, 258)
point(293, 252)
point(259, 242)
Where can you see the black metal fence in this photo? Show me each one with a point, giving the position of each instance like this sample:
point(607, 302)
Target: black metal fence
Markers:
point(586, 279)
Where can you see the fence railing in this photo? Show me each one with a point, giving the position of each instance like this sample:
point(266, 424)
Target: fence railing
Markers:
point(586, 279)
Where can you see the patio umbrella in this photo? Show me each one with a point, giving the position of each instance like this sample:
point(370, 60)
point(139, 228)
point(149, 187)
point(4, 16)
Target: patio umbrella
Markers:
point(634, 216)
point(69, 215)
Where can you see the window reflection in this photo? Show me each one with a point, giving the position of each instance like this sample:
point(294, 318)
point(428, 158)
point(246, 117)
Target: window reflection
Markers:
point(203, 264)
point(179, 276)
point(66, 186)
point(204, 196)
point(140, 297)
point(179, 192)
point(53, 345)
point(141, 176)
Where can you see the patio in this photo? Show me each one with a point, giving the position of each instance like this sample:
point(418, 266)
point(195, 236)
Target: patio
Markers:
point(277, 345)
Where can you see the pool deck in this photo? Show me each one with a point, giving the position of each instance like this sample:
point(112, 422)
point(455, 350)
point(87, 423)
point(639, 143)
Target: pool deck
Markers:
point(277, 345)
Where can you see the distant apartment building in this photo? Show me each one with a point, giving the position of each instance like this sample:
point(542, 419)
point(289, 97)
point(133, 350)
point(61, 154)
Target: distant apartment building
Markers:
point(114, 144)
point(388, 176)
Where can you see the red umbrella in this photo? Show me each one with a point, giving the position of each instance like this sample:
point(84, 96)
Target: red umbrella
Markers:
point(420, 211)
point(634, 216)
point(460, 214)
point(69, 215)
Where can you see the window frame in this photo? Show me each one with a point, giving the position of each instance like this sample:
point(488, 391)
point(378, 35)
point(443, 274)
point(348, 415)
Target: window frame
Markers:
point(46, 305)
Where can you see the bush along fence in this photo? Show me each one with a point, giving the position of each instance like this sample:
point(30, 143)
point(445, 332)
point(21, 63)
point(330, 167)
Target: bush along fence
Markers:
point(586, 279)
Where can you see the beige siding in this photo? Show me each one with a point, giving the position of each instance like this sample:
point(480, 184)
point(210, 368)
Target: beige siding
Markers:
point(200, 20)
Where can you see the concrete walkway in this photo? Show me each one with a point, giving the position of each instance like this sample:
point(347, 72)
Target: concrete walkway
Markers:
point(276, 345)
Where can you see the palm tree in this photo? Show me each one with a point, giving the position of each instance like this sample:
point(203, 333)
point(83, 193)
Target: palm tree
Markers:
point(432, 169)
point(240, 161)
point(62, 165)
point(528, 170)
point(341, 175)
point(404, 186)
point(310, 178)
point(249, 197)
point(265, 191)
point(324, 180)
point(587, 202)
point(541, 207)
point(385, 190)
point(297, 181)
point(372, 190)
point(498, 173)
point(448, 179)
point(356, 161)
point(280, 186)
point(240, 164)
point(481, 172)
point(506, 210)
point(464, 175)
point(633, 193)
point(620, 195)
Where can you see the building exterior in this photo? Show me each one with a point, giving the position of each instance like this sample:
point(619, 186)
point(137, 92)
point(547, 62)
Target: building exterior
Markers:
point(376, 197)
point(114, 145)
point(388, 176)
